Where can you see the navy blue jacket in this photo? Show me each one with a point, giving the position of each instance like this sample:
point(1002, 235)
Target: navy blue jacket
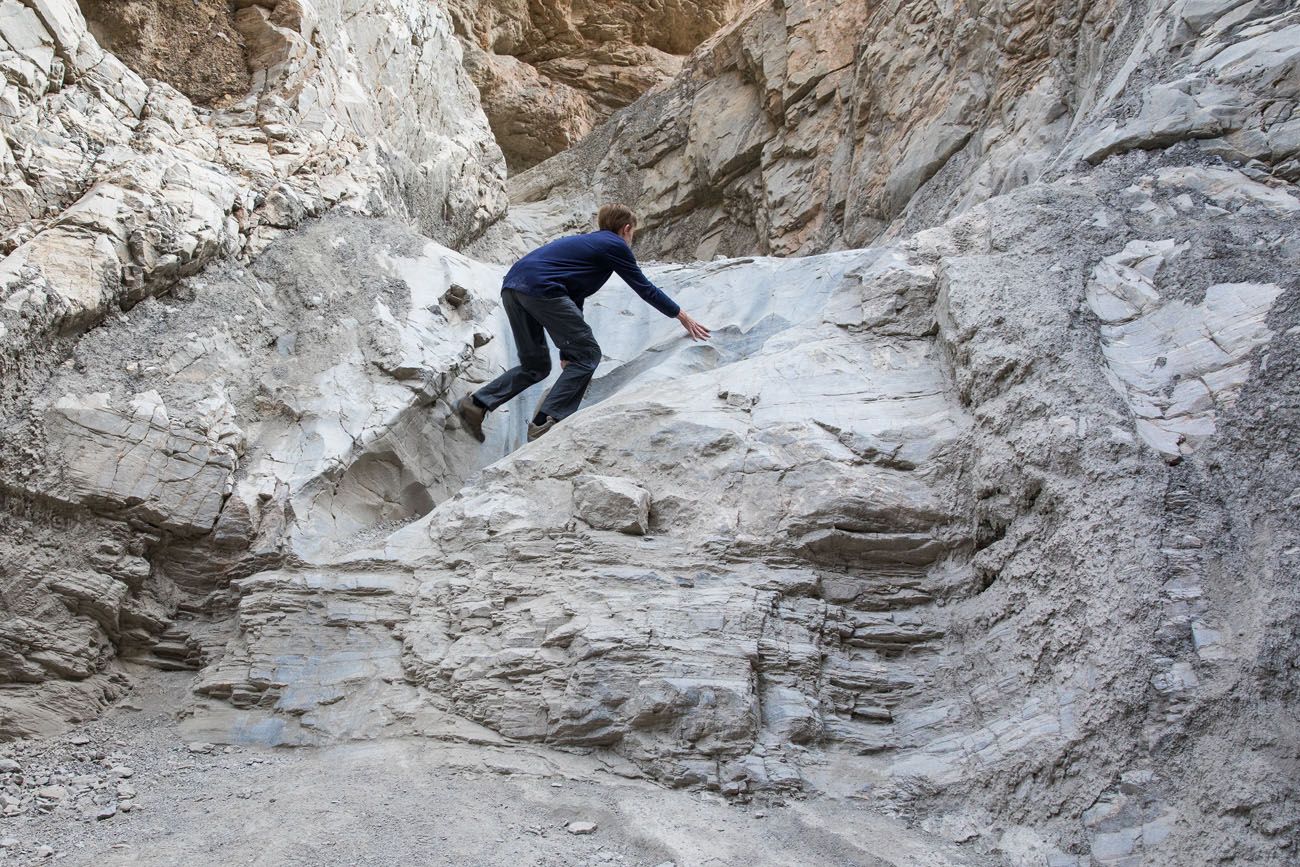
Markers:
point(579, 265)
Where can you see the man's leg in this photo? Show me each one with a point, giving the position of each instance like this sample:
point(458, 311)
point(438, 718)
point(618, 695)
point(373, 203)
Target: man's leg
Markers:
point(564, 323)
point(534, 357)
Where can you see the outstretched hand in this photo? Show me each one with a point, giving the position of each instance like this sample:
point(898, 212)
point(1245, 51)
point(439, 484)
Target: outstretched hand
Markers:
point(693, 328)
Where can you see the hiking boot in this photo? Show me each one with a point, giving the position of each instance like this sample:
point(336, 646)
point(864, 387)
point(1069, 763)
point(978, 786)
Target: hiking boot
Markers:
point(536, 430)
point(472, 415)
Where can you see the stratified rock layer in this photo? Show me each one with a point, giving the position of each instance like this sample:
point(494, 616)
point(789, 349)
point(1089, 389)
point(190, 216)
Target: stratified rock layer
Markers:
point(817, 125)
point(915, 532)
point(139, 448)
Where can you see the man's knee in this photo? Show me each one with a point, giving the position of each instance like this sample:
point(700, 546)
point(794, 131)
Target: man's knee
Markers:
point(584, 354)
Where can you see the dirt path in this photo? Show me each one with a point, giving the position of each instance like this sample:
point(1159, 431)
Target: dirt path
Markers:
point(408, 801)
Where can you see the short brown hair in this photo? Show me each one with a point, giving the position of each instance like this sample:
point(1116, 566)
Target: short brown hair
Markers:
point(614, 217)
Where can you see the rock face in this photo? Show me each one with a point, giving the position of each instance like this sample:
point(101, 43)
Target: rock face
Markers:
point(548, 73)
point(990, 525)
point(815, 125)
point(114, 188)
point(309, 405)
point(195, 47)
point(871, 564)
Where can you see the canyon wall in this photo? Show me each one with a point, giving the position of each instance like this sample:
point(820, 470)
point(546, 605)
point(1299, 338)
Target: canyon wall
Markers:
point(980, 514)
point(807, 126)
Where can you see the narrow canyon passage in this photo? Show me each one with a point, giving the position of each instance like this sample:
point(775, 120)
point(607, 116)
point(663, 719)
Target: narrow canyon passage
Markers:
point(969, 537)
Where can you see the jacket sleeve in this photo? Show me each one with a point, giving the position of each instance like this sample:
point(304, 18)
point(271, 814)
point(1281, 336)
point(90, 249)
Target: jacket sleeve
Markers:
point(626, 267)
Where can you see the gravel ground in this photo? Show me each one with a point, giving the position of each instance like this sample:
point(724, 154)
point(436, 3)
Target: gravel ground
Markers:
point(128, 789)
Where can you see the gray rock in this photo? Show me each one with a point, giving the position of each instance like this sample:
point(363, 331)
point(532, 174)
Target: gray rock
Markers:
point(611, 503)
point(580, 828)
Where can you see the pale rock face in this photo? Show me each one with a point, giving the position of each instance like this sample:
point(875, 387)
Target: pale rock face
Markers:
point(1173, 363)
point(303, 410)
point(116, 188)
point(877, 456)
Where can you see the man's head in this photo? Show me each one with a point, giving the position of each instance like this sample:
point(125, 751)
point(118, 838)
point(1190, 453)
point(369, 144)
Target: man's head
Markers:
point(618, 219)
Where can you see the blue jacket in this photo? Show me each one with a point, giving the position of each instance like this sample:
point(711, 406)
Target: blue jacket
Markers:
point(579, 265)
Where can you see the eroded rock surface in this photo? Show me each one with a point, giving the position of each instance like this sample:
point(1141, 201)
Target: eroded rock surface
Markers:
point(870, 566)
point(989, 526)
point(115, 187)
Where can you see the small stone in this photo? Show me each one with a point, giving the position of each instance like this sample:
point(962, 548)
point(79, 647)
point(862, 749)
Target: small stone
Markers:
point(44, 851)
point(52, 793)
point(9, 766)
point(8, 842)
point(199, 747)
point(123, 771)
point(126, 806)
point(581, 827)
point(78, 740)
point(107, 811)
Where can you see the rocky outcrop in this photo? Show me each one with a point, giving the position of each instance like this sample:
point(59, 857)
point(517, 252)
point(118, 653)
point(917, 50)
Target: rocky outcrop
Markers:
point(870, 563)
point(815, 125)
point(548, 74)
point(195, 47)
point(307, 407)
point(989, 526)
point(148, 439)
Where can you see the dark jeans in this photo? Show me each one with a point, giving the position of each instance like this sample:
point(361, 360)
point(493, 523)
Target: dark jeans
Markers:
point(531, 319)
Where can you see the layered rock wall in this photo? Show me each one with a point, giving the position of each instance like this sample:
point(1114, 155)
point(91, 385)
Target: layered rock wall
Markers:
point(115, 188)
point(911, 536)
point(138, 447)
point(810, 126)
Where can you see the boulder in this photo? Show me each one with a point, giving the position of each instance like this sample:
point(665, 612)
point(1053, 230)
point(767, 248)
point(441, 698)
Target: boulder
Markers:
point(612, 503)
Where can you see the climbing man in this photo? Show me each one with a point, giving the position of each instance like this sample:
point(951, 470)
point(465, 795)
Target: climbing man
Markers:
point(543, 292)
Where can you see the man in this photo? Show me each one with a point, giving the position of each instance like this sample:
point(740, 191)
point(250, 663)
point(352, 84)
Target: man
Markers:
point(543, 294)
